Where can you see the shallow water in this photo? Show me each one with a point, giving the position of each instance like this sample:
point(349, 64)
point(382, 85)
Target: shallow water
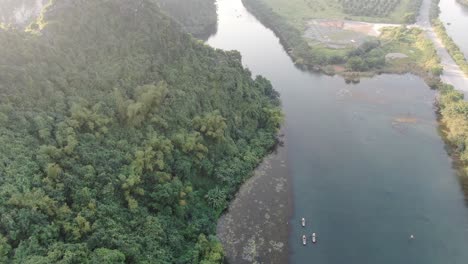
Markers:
point(367, 164)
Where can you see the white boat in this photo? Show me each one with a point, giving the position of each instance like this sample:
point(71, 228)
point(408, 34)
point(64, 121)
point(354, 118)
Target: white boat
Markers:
point(304, 240)
point(303, 222)
point(314, 238)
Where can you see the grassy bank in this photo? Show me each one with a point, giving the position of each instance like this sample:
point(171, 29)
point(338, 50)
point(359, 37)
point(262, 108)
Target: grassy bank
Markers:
point(122, 137)
point(457, 55)
point(453, 119)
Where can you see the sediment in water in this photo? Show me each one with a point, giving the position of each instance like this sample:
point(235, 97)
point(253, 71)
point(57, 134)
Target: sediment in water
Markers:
point(255, 228)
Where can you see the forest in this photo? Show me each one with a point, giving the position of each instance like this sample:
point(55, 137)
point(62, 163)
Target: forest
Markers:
point(453, 110)
point(377, 8)
point(123, 138)
point(382, 8)
point(197, 17)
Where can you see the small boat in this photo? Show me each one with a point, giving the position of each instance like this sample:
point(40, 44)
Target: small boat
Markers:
point(303, 222)
point(314, 238)
point(304, 240)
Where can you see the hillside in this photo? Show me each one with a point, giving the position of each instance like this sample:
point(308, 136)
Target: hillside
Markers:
point(122, 137)
point(197, 17)
point(297, 12)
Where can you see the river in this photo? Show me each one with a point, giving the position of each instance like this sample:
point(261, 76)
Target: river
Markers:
point(367, 165)
point(455, 18)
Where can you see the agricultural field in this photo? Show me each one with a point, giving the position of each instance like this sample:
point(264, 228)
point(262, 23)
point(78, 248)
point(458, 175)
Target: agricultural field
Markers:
point(339, 34)
point(418, 51)
point(372, 8)
point(320, 35)
point(297, 12)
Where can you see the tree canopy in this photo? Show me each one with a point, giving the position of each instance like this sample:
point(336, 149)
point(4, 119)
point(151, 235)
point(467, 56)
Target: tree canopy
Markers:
point(122, 137)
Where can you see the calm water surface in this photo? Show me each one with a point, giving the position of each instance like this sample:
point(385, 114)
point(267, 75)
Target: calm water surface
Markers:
point(457, 15)
point(367, 163)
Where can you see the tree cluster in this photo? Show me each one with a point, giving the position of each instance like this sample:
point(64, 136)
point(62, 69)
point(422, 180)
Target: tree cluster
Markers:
point(369, 8)
point(122, 137)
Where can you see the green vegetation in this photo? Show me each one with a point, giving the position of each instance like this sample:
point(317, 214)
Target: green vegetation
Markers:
point(122, 138)
point(367, 57)
point(457, 55)
point(373, 8)
point(422, 57)
point(453, 111)
point(452, 48)
point(197, 17)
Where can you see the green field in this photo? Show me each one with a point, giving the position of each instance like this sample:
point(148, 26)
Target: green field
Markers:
point(297, 12)
point(412, 42)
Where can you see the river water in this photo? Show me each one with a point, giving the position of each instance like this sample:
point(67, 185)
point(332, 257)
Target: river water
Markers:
point(368, 167)
point(455, 18)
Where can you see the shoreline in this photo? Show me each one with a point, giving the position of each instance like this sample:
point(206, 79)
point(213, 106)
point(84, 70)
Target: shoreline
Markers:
point(296, 48)
point(251, 230)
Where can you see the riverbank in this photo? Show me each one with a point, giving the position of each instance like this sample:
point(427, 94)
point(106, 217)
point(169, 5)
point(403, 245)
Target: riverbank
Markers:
point(365, 60)
point(255, 227)
point(452, 73)
point(441, 32)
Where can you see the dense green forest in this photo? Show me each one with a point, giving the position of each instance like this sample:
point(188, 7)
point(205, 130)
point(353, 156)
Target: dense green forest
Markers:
point(123, 138)
point(290, 37)
point(381, 8)
point(377, 8)
point(453, 111)
point(367, 57)
point(197, 17)
point(457, 55)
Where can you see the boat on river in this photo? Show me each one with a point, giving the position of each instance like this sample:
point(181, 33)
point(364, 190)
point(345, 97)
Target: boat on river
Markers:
point(304, 240)
point(303, 222)
point(314, 238)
